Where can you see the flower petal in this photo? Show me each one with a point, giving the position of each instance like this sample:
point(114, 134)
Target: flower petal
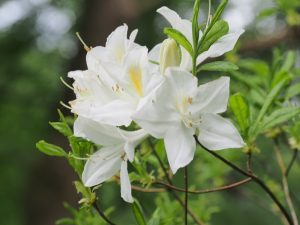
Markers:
point(180, 146)
point(223, 45)
point(98, 133)
point(216, 133)
point(125, 183)
point(154, 53)
point(102, 165)
point(133, 138)
point(212, 97)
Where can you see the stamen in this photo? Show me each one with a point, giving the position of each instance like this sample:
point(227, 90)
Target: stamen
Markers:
point(65, 83)
point(65, 105)
point(87, 48)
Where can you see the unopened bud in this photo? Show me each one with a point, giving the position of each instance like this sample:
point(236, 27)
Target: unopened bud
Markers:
point(169, 55)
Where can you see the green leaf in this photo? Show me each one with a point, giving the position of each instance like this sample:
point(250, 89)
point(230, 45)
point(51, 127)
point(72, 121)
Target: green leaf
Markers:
point(195, 23)
point(62, 128)
point(218, 30)
point(221, 66)
point(155, 219)
point(240, 110)
point(88, 197)
point(65, 221)
point(279, 116)
point(50, 149)
point(268, 101)
point(293, 90)
point(219, 11)
point(179, 38)
point(138, 213)
point(289, 61)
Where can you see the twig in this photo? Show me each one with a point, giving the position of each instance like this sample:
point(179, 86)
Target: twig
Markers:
point(285, 183)
point(204, 191)
point(255, 179)
point(196, 220)
point(102, 214)
point(186, 196)
point(148, 190)
point(294, 157)
point(249, 161)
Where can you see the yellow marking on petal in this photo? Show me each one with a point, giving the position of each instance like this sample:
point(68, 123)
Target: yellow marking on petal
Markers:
point(135, 75)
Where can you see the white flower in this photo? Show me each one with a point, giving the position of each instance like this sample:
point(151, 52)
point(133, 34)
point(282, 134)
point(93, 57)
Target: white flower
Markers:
point(118, 77)
point(179, 109)
point(117, 148)
point(221, 46)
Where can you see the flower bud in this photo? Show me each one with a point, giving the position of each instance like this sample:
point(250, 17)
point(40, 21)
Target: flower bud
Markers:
point(169, 55)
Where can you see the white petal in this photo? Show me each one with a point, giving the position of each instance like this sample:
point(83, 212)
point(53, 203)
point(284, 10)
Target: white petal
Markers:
point(180, 146)
point(223, 45)
point(154, 53)
point(157, 112)
point(181, 82)
point(184, 26)
point(115, 113)
point(212, 97)
point(216, 133)
point(125, 183)
point(98, 133)
point(95, 57)
point(102, 165)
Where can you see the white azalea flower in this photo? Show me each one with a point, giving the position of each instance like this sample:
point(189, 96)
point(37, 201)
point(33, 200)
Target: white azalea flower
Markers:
point(221, 46)
point(118, 77)
point(179, 109)
point(117, 148)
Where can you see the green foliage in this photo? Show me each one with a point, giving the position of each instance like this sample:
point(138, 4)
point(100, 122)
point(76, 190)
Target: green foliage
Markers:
point(179, 38)
point(50, 149)
point(221, 66)
point(138, 213)
point(240, 109)
point(83, 216)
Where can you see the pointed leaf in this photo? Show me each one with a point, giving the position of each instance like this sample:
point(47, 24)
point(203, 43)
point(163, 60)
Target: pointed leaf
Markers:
point(50, 149)
point(240, 110)
point(138, 213)
point(221, 66)
point(179, 38)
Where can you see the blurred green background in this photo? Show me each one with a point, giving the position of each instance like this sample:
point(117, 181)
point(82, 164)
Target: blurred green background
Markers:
point(38, 46)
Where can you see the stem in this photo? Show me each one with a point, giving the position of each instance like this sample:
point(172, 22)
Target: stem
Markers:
point(186, 193)
point(204, 191)
point(285, 183)
point(294, 157)
point(196, 220)
point(208, 16)
point(255, 179)
point(102, 214)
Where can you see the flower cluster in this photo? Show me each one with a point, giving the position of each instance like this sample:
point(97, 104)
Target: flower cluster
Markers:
point(125, 84)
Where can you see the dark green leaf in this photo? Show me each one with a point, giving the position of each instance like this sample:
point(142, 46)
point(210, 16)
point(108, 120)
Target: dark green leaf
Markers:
point(195, 23)
point(221, 66)
point(240, 110)
point(219, 11)
point(179, 38)
point(218, 30)
point(50, 149)
point(138, 213)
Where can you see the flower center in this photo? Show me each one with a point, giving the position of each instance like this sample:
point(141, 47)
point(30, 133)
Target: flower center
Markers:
point(187, 118)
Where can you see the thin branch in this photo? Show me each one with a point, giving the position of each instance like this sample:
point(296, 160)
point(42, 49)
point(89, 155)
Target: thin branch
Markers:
point(294, 157)
point(255, 179)
point(196, 220)
point(204, 191)
point(249, 161)
point(285, 183)
point(102, 214)
point(186, 196)
point(148, 190)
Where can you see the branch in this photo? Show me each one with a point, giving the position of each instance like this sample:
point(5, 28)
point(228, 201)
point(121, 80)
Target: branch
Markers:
point(294, 157)
point(102, 214)
point(186, 196)
point(204, 191)
point(255, 179)
point(285, 183)
point(196, 220)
